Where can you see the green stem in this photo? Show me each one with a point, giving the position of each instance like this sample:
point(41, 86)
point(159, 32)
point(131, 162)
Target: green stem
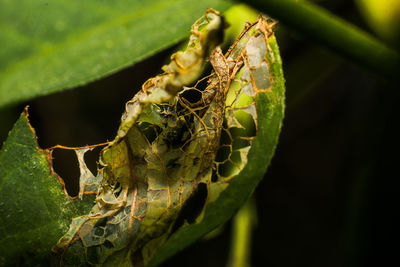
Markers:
point(243, 224)
point(333, 32)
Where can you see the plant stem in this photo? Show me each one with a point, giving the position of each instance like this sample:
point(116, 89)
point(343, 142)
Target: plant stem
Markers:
point(243, 224)
point(333, 32)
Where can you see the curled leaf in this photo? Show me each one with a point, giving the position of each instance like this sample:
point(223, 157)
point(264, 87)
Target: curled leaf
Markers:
point(253, 119)
point(184, 69)
point(174, 140)
point(150, 170)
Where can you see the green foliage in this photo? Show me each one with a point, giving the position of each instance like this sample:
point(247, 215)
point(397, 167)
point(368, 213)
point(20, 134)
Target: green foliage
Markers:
point(270, 110)
point(47, 47)
point(258, 96)
point(149, 177)
point(35, 211)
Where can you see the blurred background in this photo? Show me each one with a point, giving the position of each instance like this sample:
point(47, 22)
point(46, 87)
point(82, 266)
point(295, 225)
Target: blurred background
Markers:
point(330, 196)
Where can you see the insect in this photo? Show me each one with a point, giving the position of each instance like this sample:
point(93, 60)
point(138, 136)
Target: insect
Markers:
point(172, 139)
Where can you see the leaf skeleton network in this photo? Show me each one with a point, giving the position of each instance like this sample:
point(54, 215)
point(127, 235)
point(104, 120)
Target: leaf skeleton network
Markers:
point(175, 136)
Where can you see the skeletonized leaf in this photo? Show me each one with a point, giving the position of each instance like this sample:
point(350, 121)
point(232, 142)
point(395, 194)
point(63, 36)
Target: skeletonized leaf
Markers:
point(254, 114)
point(174, 140)
point(163, 149)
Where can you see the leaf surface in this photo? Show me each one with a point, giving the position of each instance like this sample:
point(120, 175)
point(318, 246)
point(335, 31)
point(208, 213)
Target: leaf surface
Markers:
point(34, 210)
point(150, 170)
point(174, 141)
point(270, 112)
point(47, 47)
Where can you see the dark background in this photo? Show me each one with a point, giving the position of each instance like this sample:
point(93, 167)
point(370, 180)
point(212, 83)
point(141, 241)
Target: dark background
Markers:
point(331, 192)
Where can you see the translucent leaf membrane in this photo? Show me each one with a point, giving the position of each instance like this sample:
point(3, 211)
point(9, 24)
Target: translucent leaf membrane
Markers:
point(184, 69)
point(183, 161)
point(252, 123)
point(174, 142)
point(163, 148)
point(89, 184)
point(240, 123)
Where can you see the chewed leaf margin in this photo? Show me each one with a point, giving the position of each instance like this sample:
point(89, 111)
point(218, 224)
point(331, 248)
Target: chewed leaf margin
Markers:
point(88, 182)
point(146, 181)
point(119, 199)
point(35, 209)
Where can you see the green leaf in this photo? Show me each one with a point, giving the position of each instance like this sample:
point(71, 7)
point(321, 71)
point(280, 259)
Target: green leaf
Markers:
point(156, 164)
point(270, 111)
point(47, 47)
point(216, 139)
point(148, 177)
point(35, 212)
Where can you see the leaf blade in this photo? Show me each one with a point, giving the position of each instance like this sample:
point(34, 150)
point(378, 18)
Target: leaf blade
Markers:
point(107, 40)
point(35, 211)
point(270, 111)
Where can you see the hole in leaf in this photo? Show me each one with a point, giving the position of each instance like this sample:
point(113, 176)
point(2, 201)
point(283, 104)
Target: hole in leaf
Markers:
point(202, 84)
point(101, 223)
point(227, 169)
point(193, 207)
point(150, 131)
point(117, 190)
point(191, 95)
point(235, 132)
point(240, 143)
point(235, 157)
point(223, 153)
point(247, 121)
point(214, 176)
point(91, 158)
point(225, 138)
point(65, 164)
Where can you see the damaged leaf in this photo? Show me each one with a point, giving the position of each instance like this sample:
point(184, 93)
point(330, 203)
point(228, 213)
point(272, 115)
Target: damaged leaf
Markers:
point(253, 121)
point(35, 212)
point(148, 179)
point(173, 139)
point(176, 140)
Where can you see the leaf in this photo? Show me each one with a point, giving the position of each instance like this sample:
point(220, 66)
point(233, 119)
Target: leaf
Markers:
point(34, 210)
point(47, 47)
point(269, 103)
point(147, 180)
point(169, 145)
